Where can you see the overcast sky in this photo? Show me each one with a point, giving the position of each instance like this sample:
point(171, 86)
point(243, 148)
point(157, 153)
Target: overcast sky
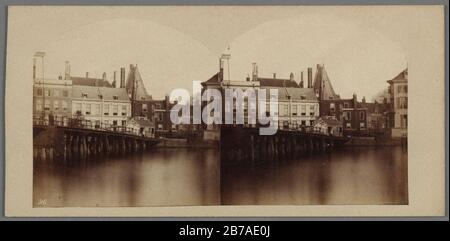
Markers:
point(361, 47)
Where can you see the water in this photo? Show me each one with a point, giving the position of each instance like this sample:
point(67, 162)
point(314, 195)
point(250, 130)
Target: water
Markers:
point(167, 177)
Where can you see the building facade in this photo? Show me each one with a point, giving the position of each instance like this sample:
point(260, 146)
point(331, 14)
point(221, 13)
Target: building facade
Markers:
point(52, 98)
point(101, 106)
point(398, 91)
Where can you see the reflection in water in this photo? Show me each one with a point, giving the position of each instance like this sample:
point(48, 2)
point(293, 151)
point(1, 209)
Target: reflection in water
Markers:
point(166, 177)
point(346, 176)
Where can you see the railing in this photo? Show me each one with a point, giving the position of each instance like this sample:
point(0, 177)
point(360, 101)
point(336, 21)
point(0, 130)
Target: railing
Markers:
point(84, 124)
point(298, 129)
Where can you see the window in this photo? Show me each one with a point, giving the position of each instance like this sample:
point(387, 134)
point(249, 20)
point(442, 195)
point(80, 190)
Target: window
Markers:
point(402, 102)
point(115, 109)
point(106, 109)
point(404, 120)
point(65, 93)
point(38, 105)
point(362, 115)
point(115, 97)
point(348, 125)
point(78, 107)
point(346, 105)
point(332, 107)
point(362, 125)
point(402, 89)
point(303, 123)
point(38, 92)
point(47, 105)
point(285, 110)
point(84, 95)
point(294, 110)
point(303, 109)
point(124, 123)
point(124, 110)
point(347, 115)
point(64, 105)
point(56, 93)
point(47, 92)
point(311, 110)
point(285, 124)
point(144, 107)
point(88, 109)
point(97, 109)
point(100, 96)
point(55, 105)
point(114, 122)
point(311, 122)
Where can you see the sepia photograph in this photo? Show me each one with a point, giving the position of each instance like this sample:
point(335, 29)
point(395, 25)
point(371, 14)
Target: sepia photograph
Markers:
point(178, 106)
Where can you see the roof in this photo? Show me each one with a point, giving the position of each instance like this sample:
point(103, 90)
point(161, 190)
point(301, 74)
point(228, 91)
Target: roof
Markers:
point(306, 94)
point(401, 77)
point(329, 120)
point(94, 93)
point(89, 81)
point(322, 82)
point(277, 82)
point(135, 80)
point(213, 80)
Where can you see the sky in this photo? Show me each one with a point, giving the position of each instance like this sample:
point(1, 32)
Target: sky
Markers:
point(360, 47)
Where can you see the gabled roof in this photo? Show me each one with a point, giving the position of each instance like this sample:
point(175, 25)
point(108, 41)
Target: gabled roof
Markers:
point(135, 79)
point(322, 83)
point(277, 82)
point(89, 81)
point(213, 80)
point(401, 77)
point(94, 93)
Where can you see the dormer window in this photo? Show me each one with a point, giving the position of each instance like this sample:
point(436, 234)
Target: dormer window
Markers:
point(100, 96)
point(115, 97)
point(84, 95)
point(303, 97)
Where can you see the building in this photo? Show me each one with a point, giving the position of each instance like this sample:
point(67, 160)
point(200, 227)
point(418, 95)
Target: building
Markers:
point(398, 115)
point(298, 107)
point(330, 102)
point(52, 97)
point(102, 106)
point(328, 125)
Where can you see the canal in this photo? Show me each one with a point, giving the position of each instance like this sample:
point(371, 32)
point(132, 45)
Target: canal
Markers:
point(166, 177)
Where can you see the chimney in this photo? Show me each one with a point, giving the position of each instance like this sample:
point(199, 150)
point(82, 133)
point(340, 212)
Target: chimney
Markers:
point(122, 77)
point(248, 78)
point(34, 68)
point(87, 75)
point(255, 72)
point(274, 75)
point(291, 76)
point(364, 99)
point(220, 69)
point(104, 76)
point(301, 80)
point(67, 71)
point(309, 77)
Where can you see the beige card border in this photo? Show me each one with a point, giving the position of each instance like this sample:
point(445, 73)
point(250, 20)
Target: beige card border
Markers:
point(426, 153)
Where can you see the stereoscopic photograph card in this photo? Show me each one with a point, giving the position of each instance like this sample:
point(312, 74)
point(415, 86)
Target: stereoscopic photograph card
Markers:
point(225, 111)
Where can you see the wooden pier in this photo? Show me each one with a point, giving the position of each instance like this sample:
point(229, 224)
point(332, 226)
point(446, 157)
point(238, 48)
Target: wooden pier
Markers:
point(240, 144)
point(71, 139)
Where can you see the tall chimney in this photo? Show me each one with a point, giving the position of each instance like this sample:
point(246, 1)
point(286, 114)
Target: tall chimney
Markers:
point(104, 76)
point(301, 80)
point(67, 71)
point(274, 75)
point(291, 77)
point(122, 77)
point(87, 75)
point(309, 77)
point(34, 68)
point(255, 72)
point(220, 69)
